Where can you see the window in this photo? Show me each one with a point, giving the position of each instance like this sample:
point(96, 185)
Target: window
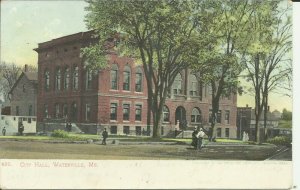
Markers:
point(46, 113)
point(113, 129)
point(138, 130)
point(138, 80)
point(17, 111)
point(126, 112)
point(87, 112)
point(57, 79)
point(126, 78)
point(75, 78)
point(114, 77)
point(47, 80)
point(218, 119)
point(57, 114)
point(193, 85)
point(196, 116)
point(24, 88)
point(161, 130)
point(126, 130)
point(113, 111)
point(177, 85)
point(65, 111)
point(227, 114)
point(227, 132)
point(166, 114)
point(88, 79)
point(30, 110)
point(67, 79)
point(138, 112)
point(74, 112)
point(219, 116)
point(219, 132)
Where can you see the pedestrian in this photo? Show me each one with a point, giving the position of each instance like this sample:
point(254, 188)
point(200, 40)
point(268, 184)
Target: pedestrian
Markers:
point(4, 131)
point(104, 136)
point(21, 129)
point(194, 138)
point(200, 136)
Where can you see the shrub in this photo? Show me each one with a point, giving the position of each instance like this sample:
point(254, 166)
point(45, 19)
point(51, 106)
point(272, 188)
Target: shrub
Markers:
point(280, 140)
point(60, 134)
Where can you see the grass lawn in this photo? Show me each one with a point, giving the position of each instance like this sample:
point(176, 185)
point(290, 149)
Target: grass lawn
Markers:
point(42, 150)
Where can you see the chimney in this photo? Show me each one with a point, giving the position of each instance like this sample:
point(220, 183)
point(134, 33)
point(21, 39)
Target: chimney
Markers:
point(26, 68)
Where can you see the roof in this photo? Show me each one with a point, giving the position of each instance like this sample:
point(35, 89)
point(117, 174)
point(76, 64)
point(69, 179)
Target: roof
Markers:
point(31, 76)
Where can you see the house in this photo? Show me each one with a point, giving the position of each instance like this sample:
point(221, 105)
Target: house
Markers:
point(116, 98)
point(246, 120)
point(23, 94)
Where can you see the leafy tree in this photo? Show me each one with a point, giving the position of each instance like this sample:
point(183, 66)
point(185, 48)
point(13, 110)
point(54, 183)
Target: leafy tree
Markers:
point(163, 36)
point(266, 56)
point(220, 66)
point(286, 115)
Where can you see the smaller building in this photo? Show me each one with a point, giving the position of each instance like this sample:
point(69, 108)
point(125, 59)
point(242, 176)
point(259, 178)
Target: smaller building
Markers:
point(23, 94)
point(246, 121)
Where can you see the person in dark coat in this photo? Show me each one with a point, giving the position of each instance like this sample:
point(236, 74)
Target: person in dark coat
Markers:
point(21, 129)
point(104, 136)
point(4, 131)
point(194, 138)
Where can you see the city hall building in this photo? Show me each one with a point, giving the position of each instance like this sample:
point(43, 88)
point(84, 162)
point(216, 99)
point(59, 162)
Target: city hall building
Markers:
point(116, 97)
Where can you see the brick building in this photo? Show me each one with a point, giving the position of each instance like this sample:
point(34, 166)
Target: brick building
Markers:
point(116, 97)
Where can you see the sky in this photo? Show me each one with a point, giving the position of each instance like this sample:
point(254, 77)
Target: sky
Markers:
point(24, 24)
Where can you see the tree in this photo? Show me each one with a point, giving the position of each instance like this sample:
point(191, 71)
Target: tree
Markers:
point(9, 73)
point(220, 66)
point(161, 35)
point(266, 58)
point(286, 115)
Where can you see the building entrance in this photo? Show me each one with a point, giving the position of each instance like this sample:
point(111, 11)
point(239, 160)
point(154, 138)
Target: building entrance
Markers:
point(180, 115)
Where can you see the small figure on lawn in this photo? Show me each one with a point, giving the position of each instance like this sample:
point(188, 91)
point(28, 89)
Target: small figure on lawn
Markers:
point(200, 137)
point(104, 136)
point(194, 138)
point(4, 131)
point(21, 129)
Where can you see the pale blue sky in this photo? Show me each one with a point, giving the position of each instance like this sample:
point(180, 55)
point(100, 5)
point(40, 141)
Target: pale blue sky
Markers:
point(24, 24)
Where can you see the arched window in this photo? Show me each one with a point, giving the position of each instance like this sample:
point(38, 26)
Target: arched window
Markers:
point(196, 116)
point(74, 112)
point(166, 114)
point(47, 80)
point(126, 78)
point(75, 78)
point(193, 85)
point(114, 77)
point(177, 85)
point(57, 79)
point(138, 80)
point(66, 78)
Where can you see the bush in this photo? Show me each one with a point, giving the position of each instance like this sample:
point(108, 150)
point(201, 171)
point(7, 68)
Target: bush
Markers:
point(280, 140)
point(60, 134)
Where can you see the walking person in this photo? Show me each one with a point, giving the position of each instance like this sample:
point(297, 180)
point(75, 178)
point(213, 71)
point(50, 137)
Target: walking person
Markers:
point(200, 136)
point(21, 129)
point(194, 138)
point(4, 131)
point(104, 136)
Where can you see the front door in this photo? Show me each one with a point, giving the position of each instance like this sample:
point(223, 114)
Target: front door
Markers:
point(180, 115)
